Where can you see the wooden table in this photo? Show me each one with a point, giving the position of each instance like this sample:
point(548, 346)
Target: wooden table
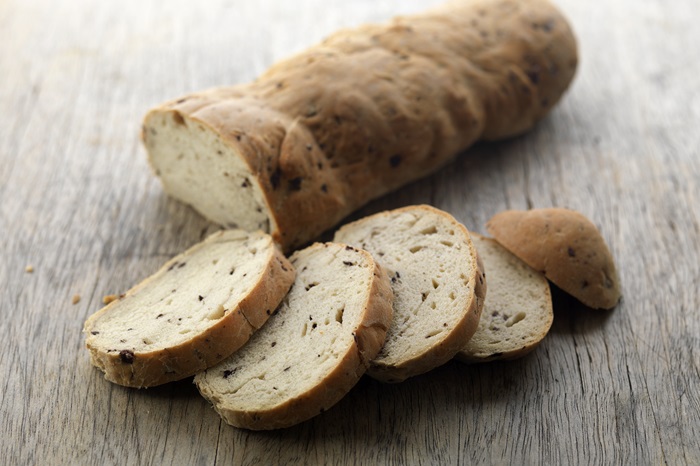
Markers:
point(79, 204)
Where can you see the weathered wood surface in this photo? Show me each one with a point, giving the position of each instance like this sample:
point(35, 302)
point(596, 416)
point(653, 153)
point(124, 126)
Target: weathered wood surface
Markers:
point(78, 203)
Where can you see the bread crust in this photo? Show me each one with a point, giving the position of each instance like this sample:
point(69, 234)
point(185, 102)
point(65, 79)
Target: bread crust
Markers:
point(148, 369)
point(566, 247)
point(373, 108)
point(368, 340)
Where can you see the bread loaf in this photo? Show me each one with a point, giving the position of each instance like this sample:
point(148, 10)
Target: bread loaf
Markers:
point(196, 310)
point(437, 282)
point(313, 350)
point(363, 113)
point(517, 312)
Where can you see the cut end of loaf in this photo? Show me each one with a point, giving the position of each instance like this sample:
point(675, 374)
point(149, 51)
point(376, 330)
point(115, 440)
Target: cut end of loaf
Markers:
point(200, 168)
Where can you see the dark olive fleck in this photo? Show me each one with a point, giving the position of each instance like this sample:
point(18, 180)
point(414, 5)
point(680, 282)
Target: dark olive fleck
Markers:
point(126, 356)
point(275, 178)
point(295, 184)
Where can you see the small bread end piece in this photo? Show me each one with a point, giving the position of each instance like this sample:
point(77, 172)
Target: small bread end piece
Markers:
point(566, 247)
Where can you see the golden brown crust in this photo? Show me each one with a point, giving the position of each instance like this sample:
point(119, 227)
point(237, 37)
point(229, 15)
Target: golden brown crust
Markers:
point(369, 338)
point(373, 108)
point(148, 369)
point(565, 246)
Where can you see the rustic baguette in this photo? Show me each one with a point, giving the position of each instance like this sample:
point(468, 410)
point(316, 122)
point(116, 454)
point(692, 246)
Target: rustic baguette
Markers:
point(363, 113)
point(196, 310)
point(313, 350)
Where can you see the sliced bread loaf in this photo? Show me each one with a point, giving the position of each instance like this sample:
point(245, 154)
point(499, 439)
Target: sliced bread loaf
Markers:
point(437, 283)
point(196, 310)
point(517, 312)
point(368, 110)
point(313, 350)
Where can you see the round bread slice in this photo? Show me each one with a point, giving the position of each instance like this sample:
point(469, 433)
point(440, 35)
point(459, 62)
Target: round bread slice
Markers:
point(200, 307)
point(313, 350)
point(517, 312)
point(565, 246)
point(437, 282)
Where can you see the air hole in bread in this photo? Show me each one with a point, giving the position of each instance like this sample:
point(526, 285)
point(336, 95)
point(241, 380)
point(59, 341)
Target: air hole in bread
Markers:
point(304, 329)
point(185, 331)
point(177, 118)
point(415, 249)
point(339, 315)
point(433, 333)
point(218, 313)
point(435, 284)
point(449, 244)
point(431, 230)
point(515, 319)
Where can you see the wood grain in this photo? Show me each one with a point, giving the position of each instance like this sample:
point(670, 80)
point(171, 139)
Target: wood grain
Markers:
point(78, 203)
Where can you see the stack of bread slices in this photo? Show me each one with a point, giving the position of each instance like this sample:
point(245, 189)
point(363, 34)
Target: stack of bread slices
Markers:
point(273, 341)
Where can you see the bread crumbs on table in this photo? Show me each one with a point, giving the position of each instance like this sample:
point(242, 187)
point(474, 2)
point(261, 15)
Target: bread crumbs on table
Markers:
point(76, 299)
point(109, 298)
point(29, 269)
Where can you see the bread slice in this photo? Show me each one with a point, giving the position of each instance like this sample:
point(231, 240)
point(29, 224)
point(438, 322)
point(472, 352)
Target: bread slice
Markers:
point(565, 246)
point(196, 310)
point(517, 312)
point(437, 282)
point(313, 350)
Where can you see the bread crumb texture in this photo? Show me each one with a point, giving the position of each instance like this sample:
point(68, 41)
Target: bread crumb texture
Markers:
point(75, 299)
point(29, 269)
